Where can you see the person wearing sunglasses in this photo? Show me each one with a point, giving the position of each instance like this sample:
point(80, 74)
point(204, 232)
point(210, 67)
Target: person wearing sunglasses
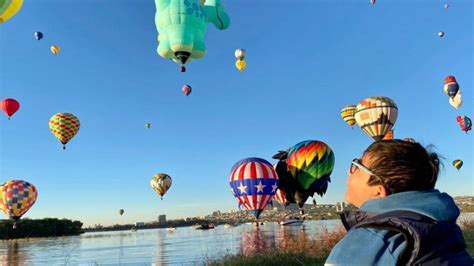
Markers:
point(401, 218)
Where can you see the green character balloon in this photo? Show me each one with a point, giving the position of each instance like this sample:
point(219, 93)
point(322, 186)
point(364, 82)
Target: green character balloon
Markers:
point(182, 26)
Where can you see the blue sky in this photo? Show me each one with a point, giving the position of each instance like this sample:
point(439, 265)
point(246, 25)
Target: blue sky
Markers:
point(306, 60)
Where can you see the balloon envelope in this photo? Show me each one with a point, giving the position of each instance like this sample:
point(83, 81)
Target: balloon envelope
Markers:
point(64, 126)
point(240, 53)
point(8, 8)
point(17, 197)
point(240, 65)
point(187, 90)
point(347, 113)
point(253, 183)
point(121, 211)
point(458, 164)
point(9, 106)
point(161, 183)
point(38, 35)
point(464, 122)
point(376, 116)
point(55, 49)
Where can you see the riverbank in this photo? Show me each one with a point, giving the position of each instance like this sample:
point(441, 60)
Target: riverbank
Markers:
point(47, 227)
point(308, 251)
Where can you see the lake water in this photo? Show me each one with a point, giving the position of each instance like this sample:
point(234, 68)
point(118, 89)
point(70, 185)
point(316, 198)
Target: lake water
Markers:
point(185, 245)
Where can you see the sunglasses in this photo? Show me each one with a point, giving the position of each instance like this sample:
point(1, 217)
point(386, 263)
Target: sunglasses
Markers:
point(357, 164)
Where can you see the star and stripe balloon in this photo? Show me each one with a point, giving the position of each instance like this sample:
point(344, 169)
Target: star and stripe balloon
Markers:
point(253, 182)
point(464, 122)
point(16, 198)
point(64, 126)
point(161, 183)
point(376, 116)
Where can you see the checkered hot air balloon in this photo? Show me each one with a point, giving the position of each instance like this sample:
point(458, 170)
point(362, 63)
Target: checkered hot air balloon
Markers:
point(347, 113)
point(64, 127)
point(311, 163)
point(16, 198)
point(376, 116)
point(253, 182)
point(161, 183)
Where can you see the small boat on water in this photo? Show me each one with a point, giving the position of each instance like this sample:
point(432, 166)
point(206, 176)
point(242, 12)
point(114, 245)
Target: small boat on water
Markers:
point(171, 229)
point(292, 221)
point(203, 226)
point(133, 229)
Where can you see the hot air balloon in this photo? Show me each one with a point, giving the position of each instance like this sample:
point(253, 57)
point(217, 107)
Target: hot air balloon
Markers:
point(8, 8)
point(347, 113)
point(456, 101)
point(38, 35)
point(55, 49)
point(240, 64)
point(389, 135)
point(182, 27)
point(280, 197)
point(121, 211)
point(16, 198)
point(464, 122)
point(451, 86)
point(373, 2)
point(9, 106)
point(187, 90)
point(148, 125)
point(441, 34)
point(376, 116)
point(161, 183)
point(253, 182)
point(304, 170)
point(446, 6)
point(64, 127)
point(458, 164)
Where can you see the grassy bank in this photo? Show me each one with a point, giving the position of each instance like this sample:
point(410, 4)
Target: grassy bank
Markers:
point(307, 251)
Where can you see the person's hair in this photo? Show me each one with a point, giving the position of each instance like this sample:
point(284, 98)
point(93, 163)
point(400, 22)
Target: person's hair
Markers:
point(403, 165)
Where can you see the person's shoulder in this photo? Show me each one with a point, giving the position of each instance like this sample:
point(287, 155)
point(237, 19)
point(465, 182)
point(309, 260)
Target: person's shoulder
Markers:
point(363, 246)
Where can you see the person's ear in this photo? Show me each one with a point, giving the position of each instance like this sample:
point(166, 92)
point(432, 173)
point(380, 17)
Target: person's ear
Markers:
point(380, 191)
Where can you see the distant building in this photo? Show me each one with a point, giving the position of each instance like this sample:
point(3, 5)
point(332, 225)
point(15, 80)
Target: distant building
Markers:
point(216, 213)
point(162, 219)
point(137, 224)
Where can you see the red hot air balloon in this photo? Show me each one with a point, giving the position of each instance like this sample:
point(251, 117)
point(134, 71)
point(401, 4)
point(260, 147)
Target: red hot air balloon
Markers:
point(9, 106)
point(464, 122)
point(186, 90)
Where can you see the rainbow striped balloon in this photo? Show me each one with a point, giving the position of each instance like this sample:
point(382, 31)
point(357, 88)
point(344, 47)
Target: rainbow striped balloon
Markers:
point(64, 127)
point(17, 197)
point(376, 116)
point(311, 162)
point(253, 182)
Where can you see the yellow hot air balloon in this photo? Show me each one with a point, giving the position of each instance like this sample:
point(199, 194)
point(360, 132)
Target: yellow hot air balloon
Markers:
point(64, 127)
point(161, 183)
point(240, 65)
point(16, 198)
point(347, 113)
point(8, 8)
point(458, 164)
point(55, 49)
point(376, 116)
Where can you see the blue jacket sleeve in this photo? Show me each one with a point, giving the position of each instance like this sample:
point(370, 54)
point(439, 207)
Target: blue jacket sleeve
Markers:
point(364, 246)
